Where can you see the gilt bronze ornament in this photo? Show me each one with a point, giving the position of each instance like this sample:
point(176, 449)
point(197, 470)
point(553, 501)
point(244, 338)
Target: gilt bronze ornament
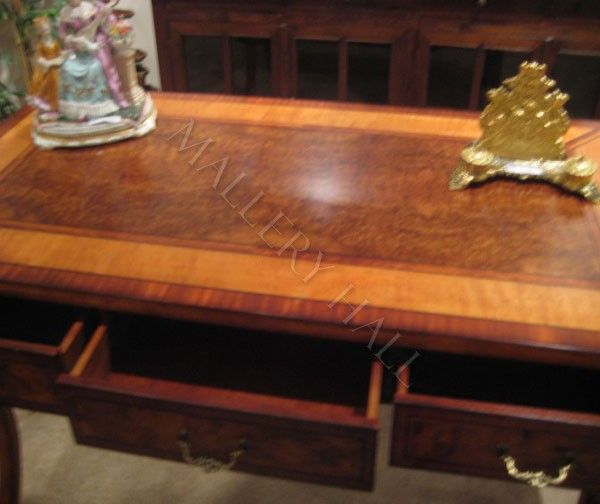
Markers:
point(523, 128)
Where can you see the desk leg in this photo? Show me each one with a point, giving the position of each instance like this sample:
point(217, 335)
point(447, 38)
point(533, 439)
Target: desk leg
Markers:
point(10, 463)
point(589, 497)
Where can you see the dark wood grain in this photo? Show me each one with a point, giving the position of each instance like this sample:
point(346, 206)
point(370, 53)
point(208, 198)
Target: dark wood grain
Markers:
point(10, 458)
point(372, 203)
point(422, 61)
point(358, 182)
point(284, 66)
point(38, 342)
point(227, 64)
point(546, 53)
point(460, 414)
point(165, 47)
point(400, 88)
point(504, 270)
point(478, 69)
point(343, 70)
point(138, 401)
point(521, 342)
point(506, 26)
point(465, 437)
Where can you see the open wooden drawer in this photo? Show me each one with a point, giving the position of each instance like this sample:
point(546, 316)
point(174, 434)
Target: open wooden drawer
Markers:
point(270, 404)
point(470, 415)
point(38, 341)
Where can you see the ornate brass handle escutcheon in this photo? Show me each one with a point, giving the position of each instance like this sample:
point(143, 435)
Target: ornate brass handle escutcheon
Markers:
point(538, 479)
point(208, 464)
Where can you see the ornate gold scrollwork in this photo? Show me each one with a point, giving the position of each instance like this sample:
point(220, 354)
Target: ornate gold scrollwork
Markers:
point(522, 137)
point(538, 479)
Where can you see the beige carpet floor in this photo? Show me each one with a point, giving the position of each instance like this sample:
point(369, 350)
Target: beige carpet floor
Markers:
point(57, 471)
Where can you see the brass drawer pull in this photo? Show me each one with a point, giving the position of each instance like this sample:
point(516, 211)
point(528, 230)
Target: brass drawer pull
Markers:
point(207, 464)
point(538, 479)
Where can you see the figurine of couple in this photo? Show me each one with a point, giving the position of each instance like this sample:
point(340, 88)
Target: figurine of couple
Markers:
point(81, 80)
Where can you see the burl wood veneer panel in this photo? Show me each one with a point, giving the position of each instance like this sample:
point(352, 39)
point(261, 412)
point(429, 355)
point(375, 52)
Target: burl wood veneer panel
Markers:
point(354, 193)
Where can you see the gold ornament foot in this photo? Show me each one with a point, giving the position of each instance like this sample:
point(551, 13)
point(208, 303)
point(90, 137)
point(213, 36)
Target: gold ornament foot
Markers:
point(479, 165)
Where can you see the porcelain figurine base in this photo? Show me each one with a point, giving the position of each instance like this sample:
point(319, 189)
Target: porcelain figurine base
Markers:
point(573, 174)
point(59, 133)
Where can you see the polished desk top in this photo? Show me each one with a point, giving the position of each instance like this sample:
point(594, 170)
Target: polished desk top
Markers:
point(506, 269)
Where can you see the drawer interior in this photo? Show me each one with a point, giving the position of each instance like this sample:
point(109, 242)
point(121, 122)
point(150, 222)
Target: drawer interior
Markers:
point(506, 382)
point(36, 322)
point(277, 365)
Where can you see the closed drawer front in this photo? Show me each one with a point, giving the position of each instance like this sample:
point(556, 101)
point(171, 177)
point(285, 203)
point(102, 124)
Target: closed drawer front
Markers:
point(38, 342)
point(453, 432)
point(295, 438)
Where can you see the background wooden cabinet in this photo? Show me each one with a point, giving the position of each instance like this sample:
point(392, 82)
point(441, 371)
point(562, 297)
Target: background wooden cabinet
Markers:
point(404, 52)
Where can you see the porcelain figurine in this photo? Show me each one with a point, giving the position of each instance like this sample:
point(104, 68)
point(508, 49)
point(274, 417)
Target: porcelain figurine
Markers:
point(43, 88)
point(98, 101)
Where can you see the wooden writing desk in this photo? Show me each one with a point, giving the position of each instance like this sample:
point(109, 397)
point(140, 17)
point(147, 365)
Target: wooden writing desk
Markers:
point(262, 225)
